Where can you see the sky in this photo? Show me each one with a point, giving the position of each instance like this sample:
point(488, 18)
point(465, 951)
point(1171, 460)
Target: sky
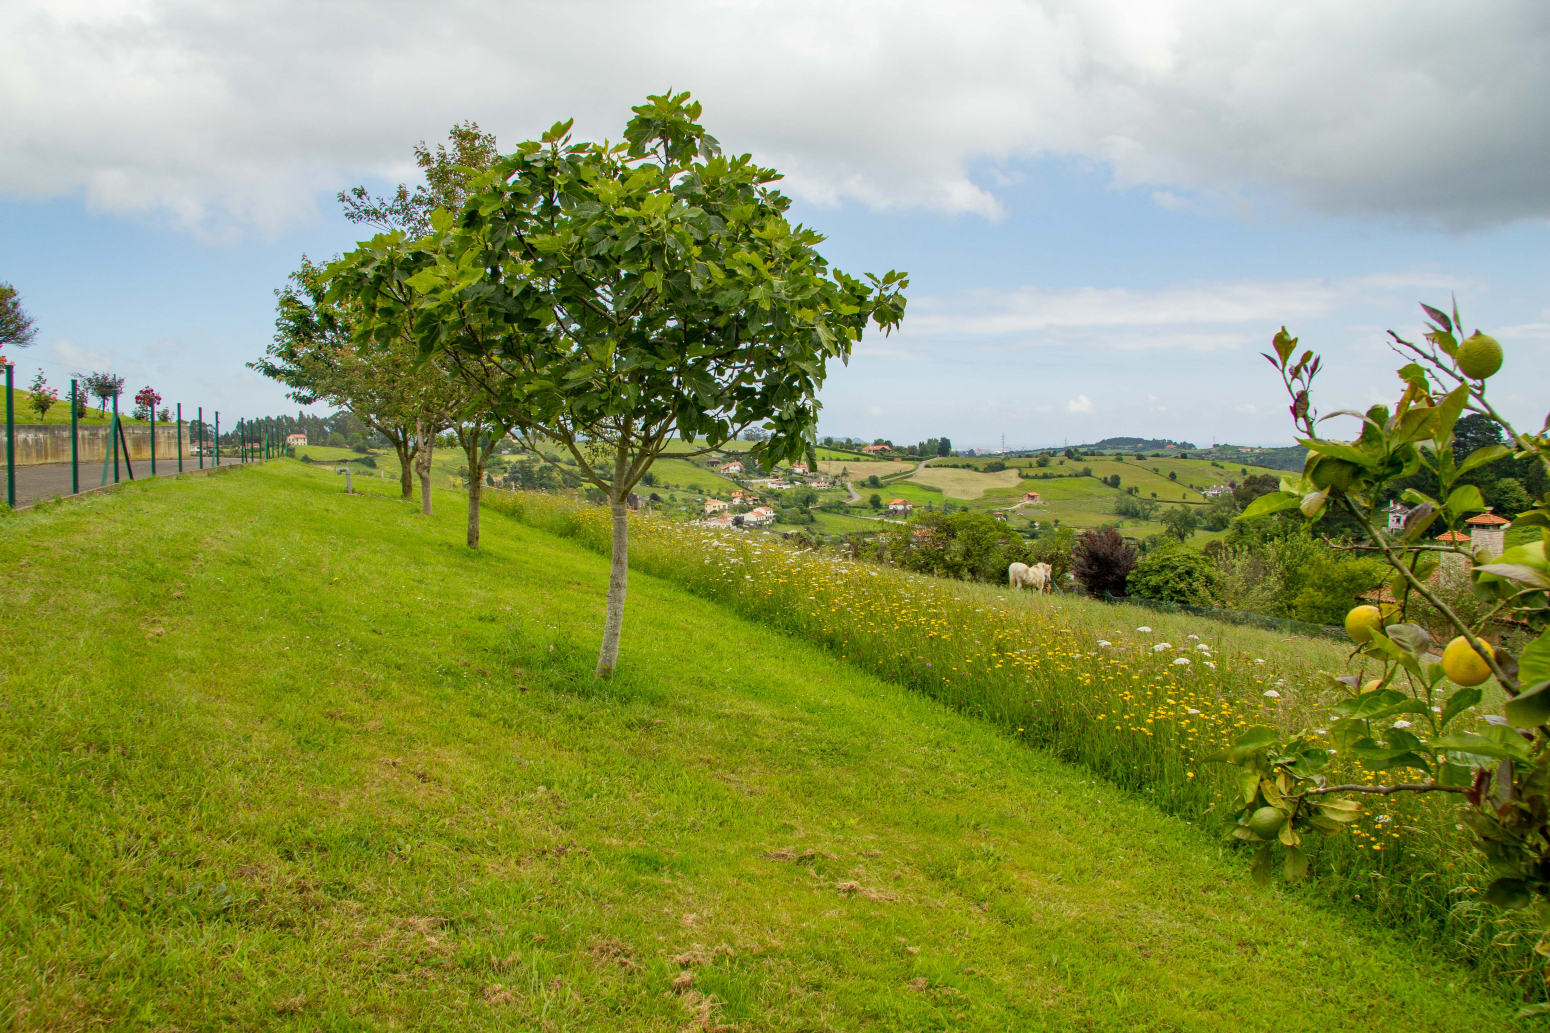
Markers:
point(1106, 209)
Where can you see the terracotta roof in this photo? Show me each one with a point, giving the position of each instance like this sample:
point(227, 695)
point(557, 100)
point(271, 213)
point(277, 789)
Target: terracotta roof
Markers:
point(1487, 520)
point(900, 502)
point(1453, 536)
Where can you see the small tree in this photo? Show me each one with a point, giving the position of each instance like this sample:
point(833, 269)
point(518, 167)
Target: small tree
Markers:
point(42, 396)
point(876, 501)
point(611, 298)
point(103, 386)
point(16, 326)
point(1180, 522)
point(1102, 560)
point(1498, 766)
point(146, 400)
point(1176, 575)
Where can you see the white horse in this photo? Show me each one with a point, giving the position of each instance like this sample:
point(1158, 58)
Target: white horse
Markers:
point(1037, 577)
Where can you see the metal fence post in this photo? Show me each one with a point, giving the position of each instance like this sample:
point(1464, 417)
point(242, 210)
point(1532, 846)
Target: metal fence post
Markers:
point(10, 435)
point(217, 437)
point(153, 440)
point(117, 431)
point(180, 437)
point(201, 437)
point(75, 452)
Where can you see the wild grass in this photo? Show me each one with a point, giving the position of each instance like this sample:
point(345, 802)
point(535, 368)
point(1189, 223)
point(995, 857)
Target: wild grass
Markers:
point(1137, 697)
point(273, 757)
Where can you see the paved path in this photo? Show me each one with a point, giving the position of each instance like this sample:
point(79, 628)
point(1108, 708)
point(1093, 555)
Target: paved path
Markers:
point(49, 479)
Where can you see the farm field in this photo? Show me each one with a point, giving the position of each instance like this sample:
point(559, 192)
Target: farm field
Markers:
point(683, 475)
point(399, 800)
point(965, 484)
point(860, 468)
point(917, 494)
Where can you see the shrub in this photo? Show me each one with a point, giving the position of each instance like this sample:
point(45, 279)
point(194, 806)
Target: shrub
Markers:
point(1220, 511)
point(995, 466)
point(1136, 508)
point(1175, 575)
point(1102, 560)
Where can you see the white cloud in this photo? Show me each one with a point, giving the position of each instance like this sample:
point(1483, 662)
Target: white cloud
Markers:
point(1247, 408)
point(1081, 403)
point(223, 115)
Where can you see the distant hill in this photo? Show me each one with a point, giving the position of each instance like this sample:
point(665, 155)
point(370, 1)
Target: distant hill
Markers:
point(1138, 444)
point(1290, 458)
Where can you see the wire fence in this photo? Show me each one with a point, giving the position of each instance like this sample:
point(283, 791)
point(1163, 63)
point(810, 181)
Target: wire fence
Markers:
point(1253, 620)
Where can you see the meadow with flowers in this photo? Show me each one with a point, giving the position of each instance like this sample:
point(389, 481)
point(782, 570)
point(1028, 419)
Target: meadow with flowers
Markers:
point(1140, 698)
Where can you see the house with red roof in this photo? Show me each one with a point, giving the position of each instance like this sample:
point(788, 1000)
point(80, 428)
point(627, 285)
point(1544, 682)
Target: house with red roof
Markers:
point(1488, 531)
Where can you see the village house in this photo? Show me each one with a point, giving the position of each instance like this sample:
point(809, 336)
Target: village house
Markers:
point(1217, 491)
point(759, 516)
point(1489, 532)
point(799, 468)
point(1031, 496)
point(777, 484)
point(743, 497)
point(296, 439)
point(873, 450)
point(1397, 512)
point(733, 468)
point(900, 507)
point(722, 520)
point(716, 506)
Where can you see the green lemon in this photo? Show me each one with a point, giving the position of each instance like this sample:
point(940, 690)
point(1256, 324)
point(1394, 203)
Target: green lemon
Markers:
point(1479, 356)
point(1266, 822)
point(1463, 665)
point(1361, 622)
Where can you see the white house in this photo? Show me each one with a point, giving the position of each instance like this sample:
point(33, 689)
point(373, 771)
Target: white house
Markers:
point(900, 507)
point(759, 516)
point(734, 467)
point(799, 468)
point(716, 506)
point(1397, 512)
point(296, 439)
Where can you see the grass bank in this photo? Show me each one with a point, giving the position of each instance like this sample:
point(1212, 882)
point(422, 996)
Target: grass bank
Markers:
point(1136, 696)
point(274, 757)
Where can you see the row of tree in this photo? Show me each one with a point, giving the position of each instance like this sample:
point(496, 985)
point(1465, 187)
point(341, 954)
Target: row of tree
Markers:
point(605, 302)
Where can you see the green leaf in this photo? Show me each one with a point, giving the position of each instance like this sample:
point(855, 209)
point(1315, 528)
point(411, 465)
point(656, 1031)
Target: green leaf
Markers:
point(1482, 456)
point(1479, 745)
point(1274, 502)
point(1465, 499)
point(1529, 708)
point(1340, 450)
point(1534, 664)
point(1296, 864)
point(1509, 893)
point(1340, 809)
point(1521, 573)
point(1412, 638)
point(1448, 414)
point(1260, 869)
point(1457, 703)
point(1256, 738)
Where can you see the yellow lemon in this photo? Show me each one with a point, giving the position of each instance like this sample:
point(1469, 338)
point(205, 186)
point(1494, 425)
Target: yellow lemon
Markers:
point(1361, 622)
point(1479, 356)
point(1463, 665)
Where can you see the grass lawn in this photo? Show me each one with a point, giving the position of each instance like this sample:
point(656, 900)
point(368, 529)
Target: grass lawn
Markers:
point(842, 523)
point(59, 412)
point(901, 489)
point(443, 461)
point(274, 757)
point(683, 475)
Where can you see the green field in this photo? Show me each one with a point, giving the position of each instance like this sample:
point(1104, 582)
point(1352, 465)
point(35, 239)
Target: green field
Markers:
point(317, 766)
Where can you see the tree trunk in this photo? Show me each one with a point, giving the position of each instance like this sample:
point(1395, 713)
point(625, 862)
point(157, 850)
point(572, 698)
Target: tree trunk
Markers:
point(618, 576)
point(405, 461)
point(475, 455)
point(422, 463)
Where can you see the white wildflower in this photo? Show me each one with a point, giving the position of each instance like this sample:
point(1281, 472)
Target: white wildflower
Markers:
point(1202, 648)
point(1258, 661)
point(1104, 642)
point(1161, 647)
point(1209, 664)
point(1195, 637)
point(1400, 724)
point(1272, 694)
point(1180, 662)
point(1192, 710)
point(1144, 628)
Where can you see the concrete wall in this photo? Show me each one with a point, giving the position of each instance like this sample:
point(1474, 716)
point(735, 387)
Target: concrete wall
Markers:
point(38, 443)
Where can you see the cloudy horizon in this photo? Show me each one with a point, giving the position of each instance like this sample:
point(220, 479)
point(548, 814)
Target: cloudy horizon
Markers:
point(1106, 208)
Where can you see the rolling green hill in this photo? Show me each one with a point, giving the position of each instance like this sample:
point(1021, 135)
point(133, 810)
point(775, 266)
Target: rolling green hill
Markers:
point(275, 757)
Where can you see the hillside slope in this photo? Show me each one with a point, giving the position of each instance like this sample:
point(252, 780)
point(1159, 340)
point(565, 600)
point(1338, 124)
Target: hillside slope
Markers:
point(276, 757)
